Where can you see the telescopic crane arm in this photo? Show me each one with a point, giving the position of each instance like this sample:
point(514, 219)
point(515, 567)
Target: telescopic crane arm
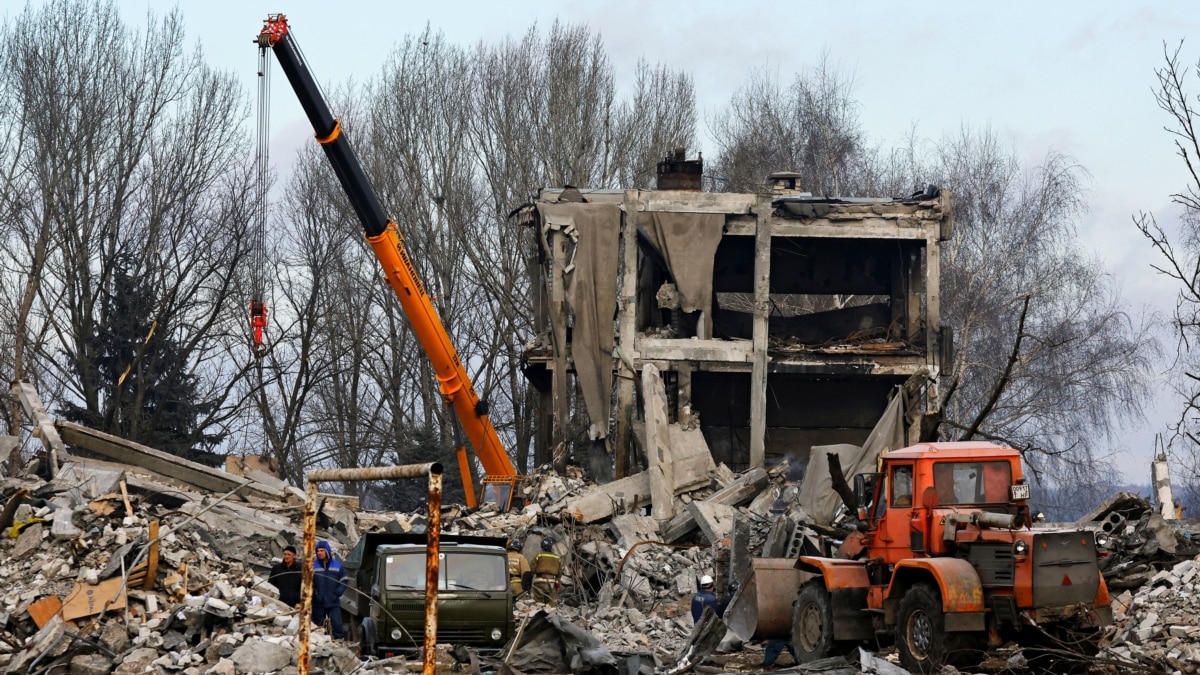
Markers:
point(385, 239)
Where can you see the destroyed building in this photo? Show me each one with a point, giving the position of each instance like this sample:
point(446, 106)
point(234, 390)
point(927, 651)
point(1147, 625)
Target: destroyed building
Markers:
point(779, 321)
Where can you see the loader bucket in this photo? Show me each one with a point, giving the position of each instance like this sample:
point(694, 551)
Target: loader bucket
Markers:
point(762, 607)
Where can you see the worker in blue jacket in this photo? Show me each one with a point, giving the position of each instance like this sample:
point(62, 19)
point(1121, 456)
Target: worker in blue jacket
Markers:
point(704, 598)
point(329, 582)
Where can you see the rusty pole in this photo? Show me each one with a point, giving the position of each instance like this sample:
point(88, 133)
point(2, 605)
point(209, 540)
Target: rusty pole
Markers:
point(432, 548)
point(431, 469)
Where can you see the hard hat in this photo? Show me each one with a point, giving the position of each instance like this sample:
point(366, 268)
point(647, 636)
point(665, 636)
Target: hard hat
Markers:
point(706, 581)
point(515, 545)
point(547, 544)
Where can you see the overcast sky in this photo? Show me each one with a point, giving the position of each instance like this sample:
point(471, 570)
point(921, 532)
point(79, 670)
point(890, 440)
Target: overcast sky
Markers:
point(1073, 76)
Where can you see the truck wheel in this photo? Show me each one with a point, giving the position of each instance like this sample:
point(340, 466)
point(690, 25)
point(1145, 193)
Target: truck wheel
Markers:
point(812, 623)
point(368, 645)
point(921, 636)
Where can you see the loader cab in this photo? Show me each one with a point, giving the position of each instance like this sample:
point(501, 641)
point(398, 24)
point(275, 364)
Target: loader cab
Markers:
point(499, 490)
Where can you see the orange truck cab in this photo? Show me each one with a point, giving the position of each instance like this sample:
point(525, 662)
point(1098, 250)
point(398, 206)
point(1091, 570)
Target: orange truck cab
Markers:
point(946, 563)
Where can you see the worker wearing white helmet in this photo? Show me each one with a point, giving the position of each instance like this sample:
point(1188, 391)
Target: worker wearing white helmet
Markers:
point(703, 598)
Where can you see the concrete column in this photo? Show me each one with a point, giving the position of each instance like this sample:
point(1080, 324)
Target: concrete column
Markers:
point(658, 445)
point(762, 310)
point(626, 336)
point(1160, 473)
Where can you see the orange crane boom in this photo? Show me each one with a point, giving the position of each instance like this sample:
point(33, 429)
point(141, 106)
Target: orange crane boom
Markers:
point(388, 244)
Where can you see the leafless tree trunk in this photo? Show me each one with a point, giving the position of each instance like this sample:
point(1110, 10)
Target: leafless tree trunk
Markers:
point(125, 152)
point(1179, 255)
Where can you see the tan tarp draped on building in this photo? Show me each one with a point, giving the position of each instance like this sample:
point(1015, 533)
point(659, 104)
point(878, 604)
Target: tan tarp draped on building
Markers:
point(688, 242)
point(817, 495)
point(591, 289)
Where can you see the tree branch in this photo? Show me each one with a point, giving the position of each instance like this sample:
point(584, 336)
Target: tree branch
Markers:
point(1008, 368)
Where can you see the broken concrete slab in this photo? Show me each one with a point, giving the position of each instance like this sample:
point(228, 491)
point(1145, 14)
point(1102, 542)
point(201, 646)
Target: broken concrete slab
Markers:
point(136, 454)
point(693, 469)
point(43, 425)
point(714, 520)
point(48, 638)
point(62, 528)
point(261, 656)
point(90, 480)
point(631, 529)
point(7, 445)
point(29, 539)
point(737, 492)
point(739, 547)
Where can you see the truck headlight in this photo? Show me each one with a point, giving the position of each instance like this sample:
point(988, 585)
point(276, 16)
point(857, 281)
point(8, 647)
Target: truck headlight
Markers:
point(496, 634)
point(1102, 540)
point(1020, 547)
point(396, 634)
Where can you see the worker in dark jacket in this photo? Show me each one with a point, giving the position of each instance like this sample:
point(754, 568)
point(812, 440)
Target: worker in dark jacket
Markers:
point(329, 582)
point(286, 576)
point(704, 598)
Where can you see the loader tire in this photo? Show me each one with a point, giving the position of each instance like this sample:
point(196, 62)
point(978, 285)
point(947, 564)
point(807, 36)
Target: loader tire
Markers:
point(921, 638)
point(812, 625)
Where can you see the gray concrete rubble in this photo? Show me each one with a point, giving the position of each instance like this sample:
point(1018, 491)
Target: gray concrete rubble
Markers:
point(1155, 626)
point(206, 607)
point(1141, 542)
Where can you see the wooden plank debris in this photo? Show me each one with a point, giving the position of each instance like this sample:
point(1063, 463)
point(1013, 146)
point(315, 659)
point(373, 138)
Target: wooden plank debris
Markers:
point(45, 609)
point(88, 600)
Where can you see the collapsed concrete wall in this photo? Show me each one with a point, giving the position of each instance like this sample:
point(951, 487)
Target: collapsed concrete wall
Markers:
point(778, 321)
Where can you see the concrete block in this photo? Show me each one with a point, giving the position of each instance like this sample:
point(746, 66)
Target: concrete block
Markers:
point(62, 528)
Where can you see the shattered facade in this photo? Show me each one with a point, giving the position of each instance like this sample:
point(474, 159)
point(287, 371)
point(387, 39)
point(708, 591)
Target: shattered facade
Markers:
point(778, 321)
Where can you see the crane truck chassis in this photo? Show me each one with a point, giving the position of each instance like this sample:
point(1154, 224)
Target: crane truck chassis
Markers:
point(946, 563)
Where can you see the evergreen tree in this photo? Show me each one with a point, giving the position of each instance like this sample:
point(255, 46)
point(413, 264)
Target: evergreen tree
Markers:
point(144, 390)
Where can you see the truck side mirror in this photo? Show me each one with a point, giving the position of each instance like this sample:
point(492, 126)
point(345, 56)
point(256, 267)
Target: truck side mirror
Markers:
point(864, 493)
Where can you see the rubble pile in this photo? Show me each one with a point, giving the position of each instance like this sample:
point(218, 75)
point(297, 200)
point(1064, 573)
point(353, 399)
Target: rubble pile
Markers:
point(1140, 541)
point(126, 568)
point(1155, 628)
point(79, 588)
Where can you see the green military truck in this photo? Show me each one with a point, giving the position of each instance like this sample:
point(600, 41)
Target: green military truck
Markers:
point(385, 603)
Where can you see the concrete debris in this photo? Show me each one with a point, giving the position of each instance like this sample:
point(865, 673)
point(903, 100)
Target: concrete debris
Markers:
point(1154, 628)
point(84, 594)
point(1141, 542)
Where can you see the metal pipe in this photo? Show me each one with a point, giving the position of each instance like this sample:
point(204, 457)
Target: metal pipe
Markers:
point(434, 471)
point(432, 560)
point(306, 575)
point(373, 473)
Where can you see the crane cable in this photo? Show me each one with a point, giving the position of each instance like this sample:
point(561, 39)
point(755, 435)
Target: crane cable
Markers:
point(258, 228)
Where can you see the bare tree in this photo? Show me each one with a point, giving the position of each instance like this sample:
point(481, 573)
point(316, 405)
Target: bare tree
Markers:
point(811, 126)
point(1047, 360)
point(1179, 255)
point(125, 155)
point(546, 112)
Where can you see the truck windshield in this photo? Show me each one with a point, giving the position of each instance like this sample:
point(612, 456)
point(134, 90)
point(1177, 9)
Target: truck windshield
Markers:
point(457, 572)
point(972, 482)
